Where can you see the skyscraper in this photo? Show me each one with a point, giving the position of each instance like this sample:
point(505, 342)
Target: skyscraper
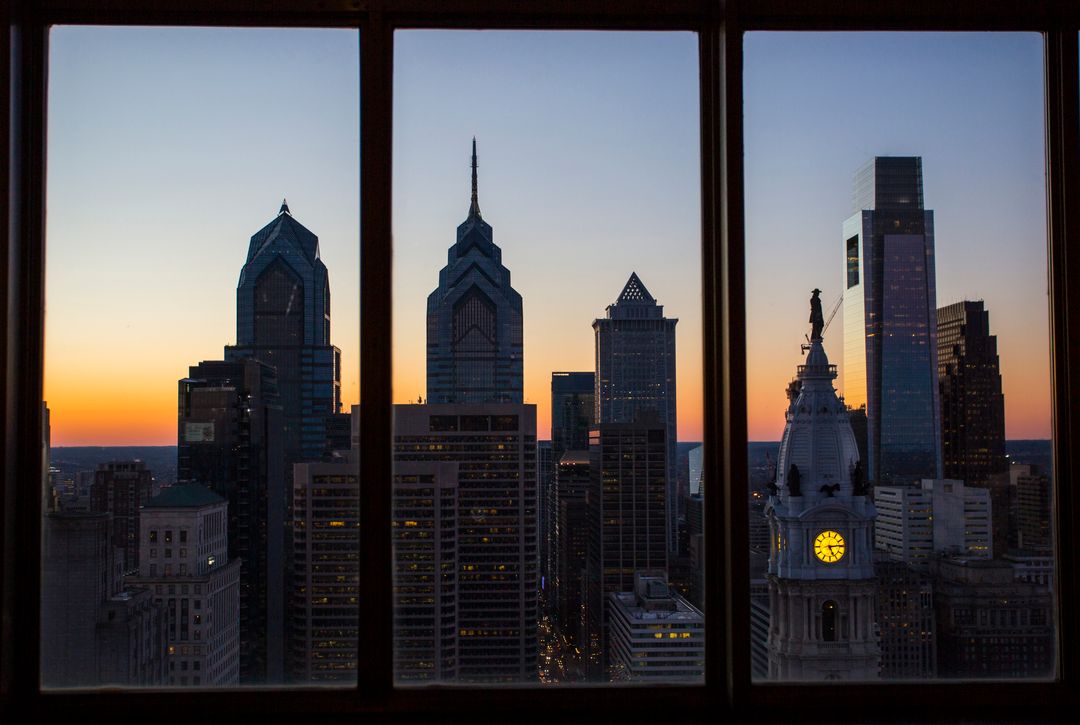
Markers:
point(972, 405)
point(573, 411)
point(283, 320)
point(494, 448)
point(890, 321)
point(821, 568)
point(474, 320)
point(626, 515)
point(635, 373)
point(230, 440)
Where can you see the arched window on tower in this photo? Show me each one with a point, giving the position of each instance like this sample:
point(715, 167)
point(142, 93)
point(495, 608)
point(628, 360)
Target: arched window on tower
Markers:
point(828, 621)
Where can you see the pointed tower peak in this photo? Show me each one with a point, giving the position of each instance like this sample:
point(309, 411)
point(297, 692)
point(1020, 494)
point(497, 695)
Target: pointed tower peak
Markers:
point(635, 291)
point(284, 208)
point(474, 208)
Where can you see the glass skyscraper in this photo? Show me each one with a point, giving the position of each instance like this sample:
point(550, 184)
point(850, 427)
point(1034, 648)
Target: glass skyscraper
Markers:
point(890, 321)
point(283, 320)
point(474, 321)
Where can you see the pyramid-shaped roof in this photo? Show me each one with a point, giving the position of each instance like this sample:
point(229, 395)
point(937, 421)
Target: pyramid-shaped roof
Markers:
point(635, 291)
point(284, 226)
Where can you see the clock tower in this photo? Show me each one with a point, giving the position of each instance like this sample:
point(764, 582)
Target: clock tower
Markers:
point(820, 514)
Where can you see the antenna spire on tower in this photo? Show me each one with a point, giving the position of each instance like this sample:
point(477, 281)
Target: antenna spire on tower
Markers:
point(474, 208)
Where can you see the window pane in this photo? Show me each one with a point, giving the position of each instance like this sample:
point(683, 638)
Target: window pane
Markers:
point(546, 529)
point(900, 492)
point(201, 522)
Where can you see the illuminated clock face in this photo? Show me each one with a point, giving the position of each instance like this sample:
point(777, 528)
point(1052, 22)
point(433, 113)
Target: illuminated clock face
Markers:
point(829, 546)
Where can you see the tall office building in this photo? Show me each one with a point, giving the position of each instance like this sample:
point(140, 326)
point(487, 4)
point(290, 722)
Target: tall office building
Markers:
point(545, 485)
point(95, 630)
point(283, 320)
point(1033, 501)
point(626, 519)
point(572, 411)
point(325, 605)
point(972, 405)
point(890, 321)
point(474, 320)
point(635, 373)
point(230, 440)
point(121, 488)
point(570, 544)
point(494, 447)
point(821, 569)
point(425, 531)
point(184, 559)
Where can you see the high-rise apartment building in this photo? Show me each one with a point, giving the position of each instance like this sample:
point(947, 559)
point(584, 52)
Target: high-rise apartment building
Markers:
point(890, 321)
point(497, 552)
point(96, 631)
point(626, 510)
point(121, 488)
point(942, 516)
point(821, 571)
point(474, 320)
point(655, 634)
point(184, 560)
point(325, 607)
point(283, 320)
point(230, 440)
point(635, 373)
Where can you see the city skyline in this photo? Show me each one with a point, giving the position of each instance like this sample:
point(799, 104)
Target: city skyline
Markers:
point(131, 400)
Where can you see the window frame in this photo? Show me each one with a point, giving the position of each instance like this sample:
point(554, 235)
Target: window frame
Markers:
point(720, 26)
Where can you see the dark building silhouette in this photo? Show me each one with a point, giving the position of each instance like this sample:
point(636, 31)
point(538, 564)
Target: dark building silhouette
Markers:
point(545, 484)
point(230, 439)
point(1032, 501)
point(572, 411)
point(972, 405)
point(890, 321)
point(570, 542)
point(626, 515)
point(95, 631)
point(283, 320)
point(121, 488)
point(474, 320)
point(905, 621)
point(989, 624)
point(635, 373)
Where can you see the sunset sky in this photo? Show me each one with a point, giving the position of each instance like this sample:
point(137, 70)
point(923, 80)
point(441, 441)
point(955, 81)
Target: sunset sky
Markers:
point(168, 149)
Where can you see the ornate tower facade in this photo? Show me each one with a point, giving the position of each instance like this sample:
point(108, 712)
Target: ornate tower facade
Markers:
point(474, 321)
point(821, 569)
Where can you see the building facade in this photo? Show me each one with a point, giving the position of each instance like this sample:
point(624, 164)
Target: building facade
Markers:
point(890, 321)
point(425, 531)
point(626, 520)
point(325, 606)
point(474, 320)
point(121, 488)
point(820, 574)
point(230, 439)
point(184, 561)
point(494, 447)
point(655, 634)
point(96, 631)
point(570, 542)
point(905, 621)
point(1033, 502)
point(635, 373)
point(939, 517)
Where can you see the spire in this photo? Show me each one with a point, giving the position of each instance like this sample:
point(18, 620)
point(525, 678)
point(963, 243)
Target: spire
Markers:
point(635, 291)
point(474, 209)
point(284, 208)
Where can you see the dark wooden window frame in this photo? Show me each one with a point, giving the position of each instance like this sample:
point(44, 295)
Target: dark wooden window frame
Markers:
point(720, 26)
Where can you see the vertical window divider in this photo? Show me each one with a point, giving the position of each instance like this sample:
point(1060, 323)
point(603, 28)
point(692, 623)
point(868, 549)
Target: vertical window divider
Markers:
point(375, 658)
point(1062, 78)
